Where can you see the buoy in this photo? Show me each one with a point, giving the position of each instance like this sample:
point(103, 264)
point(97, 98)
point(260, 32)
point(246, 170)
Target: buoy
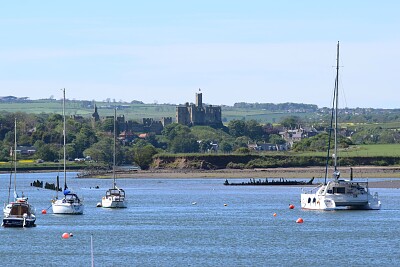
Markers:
point(99, 205)
point(299, 220)
point(291, 206)
point(194, 203)
point(225, 204)
point(71, 235)
point(274, 214)
point(44, 211)
point(65, 235)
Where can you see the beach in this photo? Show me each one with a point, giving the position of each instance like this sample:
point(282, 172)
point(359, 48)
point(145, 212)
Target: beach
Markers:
point(389, 175)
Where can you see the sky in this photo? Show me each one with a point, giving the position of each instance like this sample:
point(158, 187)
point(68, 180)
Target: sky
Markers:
point(258, 51)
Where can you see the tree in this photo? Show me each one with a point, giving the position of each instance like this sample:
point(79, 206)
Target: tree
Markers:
point(237, 128)
point(143, 155)
point(226, 147)
point(291, 122)
point(254, 130)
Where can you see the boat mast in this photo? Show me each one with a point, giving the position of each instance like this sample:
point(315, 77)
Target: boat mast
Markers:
point(64, 139)
point(114, 148)
point(15, 159)
point(336, 101)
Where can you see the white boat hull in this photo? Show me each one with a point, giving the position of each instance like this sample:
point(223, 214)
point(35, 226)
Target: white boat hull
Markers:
point(352, 197)
point(60, 207)
point(112, 202)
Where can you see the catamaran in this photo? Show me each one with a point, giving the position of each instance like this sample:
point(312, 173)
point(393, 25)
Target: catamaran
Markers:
point(18, 213)
point(115, 197)
point(70, 203)
point(339, 193)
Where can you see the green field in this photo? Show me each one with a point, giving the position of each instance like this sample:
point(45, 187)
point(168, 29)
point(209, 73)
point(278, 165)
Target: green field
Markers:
point(385, 150)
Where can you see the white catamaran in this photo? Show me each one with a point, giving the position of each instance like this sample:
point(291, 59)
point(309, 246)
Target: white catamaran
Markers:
point(339, 193)
point(18, 213)
point(115, 197)
point(70, 203)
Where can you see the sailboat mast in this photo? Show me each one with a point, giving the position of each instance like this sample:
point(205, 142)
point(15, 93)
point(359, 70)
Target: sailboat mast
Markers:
point(64, 140)
point(15, 158)
point(336, 96)
point(114, 147)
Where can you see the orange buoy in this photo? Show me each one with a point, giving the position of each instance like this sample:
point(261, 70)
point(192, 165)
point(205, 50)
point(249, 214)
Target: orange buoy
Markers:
point(291, 206)
point(44, 211)
point(65, 235)
point(299, 220)
point(274, 214)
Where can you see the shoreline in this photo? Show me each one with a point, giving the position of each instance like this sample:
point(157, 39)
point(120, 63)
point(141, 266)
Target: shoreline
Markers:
point(385, 173)
point(291, 172)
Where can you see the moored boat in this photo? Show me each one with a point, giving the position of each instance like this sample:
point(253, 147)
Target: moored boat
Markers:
point(339, 193)
point(115, 197)
point(70, 203)
point(18, 213)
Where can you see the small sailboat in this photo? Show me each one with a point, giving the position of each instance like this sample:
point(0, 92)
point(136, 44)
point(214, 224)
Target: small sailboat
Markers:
point(18, 213)
point(70, 203)
point(115, 197)
point(339, 193)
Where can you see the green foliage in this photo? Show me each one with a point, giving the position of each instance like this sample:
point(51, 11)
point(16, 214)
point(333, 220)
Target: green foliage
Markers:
point(320, 143)
point(291, 122)
point(143, 155)
point(242, 150)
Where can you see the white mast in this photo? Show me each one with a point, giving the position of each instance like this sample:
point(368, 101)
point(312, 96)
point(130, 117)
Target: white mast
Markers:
point(336, 173)
point(114, 148)
point(64, 139)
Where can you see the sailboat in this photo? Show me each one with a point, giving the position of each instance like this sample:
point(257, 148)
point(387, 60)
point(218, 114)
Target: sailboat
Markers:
point(70, 203)
point(18, 213)
point(339, 193)
point(115, 197)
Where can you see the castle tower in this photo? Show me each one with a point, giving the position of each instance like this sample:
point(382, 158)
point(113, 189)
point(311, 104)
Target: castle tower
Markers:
point(95, 114)
point(199, 99)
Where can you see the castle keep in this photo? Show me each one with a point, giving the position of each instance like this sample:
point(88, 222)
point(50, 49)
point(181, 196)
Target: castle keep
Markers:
point(197, 114)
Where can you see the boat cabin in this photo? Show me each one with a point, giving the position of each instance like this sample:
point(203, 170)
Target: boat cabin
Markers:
point(71, 198)
point(115, 192)
point(20, 209)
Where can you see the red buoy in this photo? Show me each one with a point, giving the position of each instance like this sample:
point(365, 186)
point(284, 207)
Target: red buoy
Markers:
point(44, 211)
point(291, 206)
point(65, 235)
point(274, 214)
point(299, 220)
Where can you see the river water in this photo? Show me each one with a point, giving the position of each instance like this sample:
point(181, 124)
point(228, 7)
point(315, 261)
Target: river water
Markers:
point(199, 222)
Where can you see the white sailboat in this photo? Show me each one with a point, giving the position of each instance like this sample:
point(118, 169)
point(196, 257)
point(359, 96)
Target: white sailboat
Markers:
point(70, 203)
point(18, 213)
point(339, 193)
point(115, 197)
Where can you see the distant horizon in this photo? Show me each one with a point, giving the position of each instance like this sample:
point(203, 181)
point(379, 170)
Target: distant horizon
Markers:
point(177, 104)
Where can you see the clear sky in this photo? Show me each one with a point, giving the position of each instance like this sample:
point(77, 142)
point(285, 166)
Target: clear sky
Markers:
point(235, 51)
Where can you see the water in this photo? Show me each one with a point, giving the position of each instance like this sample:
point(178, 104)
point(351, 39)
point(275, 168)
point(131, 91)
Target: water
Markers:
point(163, 227)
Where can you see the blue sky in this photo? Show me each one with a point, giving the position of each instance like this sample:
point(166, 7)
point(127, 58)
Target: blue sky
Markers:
point(235, 51)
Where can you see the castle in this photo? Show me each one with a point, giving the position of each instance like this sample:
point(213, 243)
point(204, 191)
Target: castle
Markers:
point(197, 114)
point(148, 125)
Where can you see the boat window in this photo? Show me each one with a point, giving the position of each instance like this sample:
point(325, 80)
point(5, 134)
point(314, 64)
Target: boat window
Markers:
point(339, 190)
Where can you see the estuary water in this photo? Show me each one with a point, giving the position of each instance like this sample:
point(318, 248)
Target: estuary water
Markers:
point(198, 222)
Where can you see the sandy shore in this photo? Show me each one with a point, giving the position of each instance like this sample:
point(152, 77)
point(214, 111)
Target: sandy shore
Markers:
point(388, 174)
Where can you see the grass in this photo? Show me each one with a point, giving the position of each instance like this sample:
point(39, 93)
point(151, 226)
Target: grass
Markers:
point(385, 150)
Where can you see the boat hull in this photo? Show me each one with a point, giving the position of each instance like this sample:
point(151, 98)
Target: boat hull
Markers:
point(60, 207)
point(19, 222)
point(338, 202)
point(113, 203)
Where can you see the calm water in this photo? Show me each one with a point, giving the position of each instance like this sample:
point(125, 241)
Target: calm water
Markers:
point(161, 227)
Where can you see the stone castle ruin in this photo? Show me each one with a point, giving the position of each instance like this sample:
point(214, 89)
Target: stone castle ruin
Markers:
point(198, 114)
